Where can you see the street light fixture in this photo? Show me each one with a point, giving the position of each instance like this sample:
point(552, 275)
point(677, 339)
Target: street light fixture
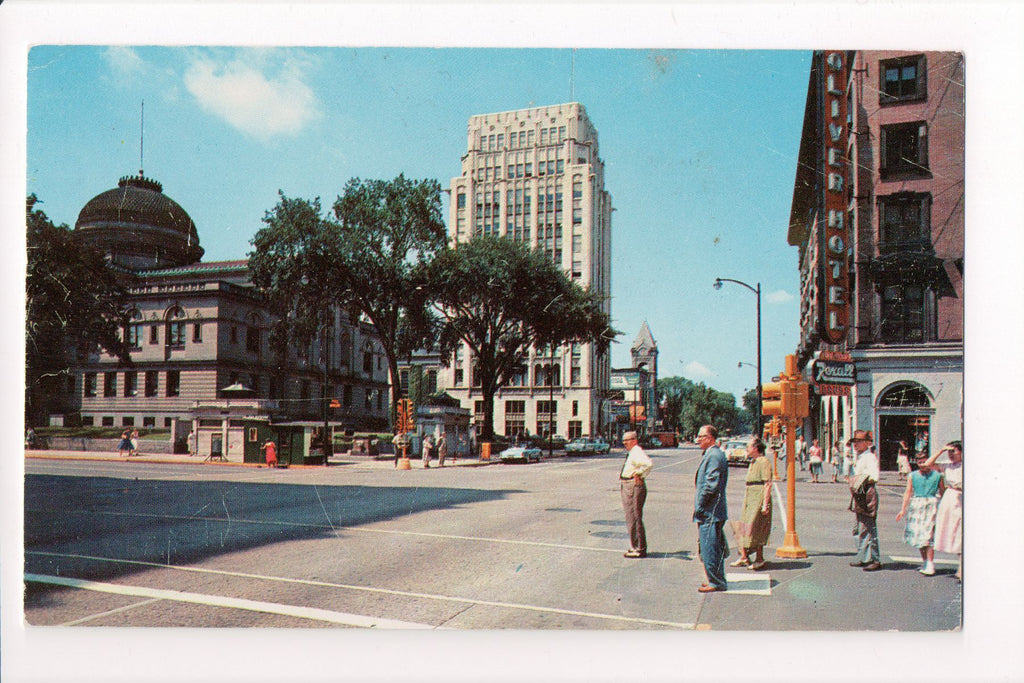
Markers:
point(757, 293)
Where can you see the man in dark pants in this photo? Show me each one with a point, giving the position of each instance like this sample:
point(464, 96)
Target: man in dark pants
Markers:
point(710, 509)
point(633, 491)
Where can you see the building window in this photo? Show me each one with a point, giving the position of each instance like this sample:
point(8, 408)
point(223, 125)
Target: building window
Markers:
point(168, 422)
point(173, 382)
point(89, 384)
point(131, 383)
point(151, 382)
point(87, 421)
point(459, 376)
point(234, 334)
point(431, 382)
point(127, 421)
point(109, 384)
point(575, 429)
point(176, 327)
point(154, 334)
point(903, 313)
point(108, 421)
point(149, 421)
point(368, 362)
point(575, 376)
point(904, 149)
point(134, 331)
point(904, 223)
point(197, 332)
point(403, 381)
point(252, 338)
point(575, 408)
point(902, 79)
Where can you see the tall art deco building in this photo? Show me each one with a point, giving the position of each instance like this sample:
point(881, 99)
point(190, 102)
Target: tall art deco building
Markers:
point(536, 176)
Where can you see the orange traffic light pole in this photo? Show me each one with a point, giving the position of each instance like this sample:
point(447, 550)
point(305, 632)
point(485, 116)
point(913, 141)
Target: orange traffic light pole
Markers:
point(795, 405)
point(404, 422)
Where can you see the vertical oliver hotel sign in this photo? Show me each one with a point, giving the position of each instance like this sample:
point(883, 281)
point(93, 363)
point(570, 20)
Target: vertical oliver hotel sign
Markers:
point(834, 316)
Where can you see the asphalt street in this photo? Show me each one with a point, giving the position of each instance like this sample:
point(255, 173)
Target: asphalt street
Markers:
point(362, 545)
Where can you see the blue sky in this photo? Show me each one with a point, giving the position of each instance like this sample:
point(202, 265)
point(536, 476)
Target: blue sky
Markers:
point(700, 152)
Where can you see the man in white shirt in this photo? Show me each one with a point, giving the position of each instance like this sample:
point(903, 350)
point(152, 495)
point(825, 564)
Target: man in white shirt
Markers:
point(864, 502)
point(633, 491)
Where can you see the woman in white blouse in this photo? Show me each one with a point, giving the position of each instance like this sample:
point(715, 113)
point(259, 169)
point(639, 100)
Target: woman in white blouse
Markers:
point(948, 521)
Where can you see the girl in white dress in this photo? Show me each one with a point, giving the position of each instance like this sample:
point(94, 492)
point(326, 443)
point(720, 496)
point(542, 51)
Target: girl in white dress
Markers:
point(948, 520)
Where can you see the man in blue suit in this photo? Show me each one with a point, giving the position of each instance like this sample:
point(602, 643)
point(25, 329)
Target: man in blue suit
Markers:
point(709, 509)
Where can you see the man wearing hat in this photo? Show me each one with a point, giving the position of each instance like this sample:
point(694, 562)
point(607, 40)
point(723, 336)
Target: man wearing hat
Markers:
point(864, 501)
point(633, 491)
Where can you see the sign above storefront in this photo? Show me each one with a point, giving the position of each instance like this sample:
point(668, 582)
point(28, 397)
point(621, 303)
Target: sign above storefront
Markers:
point(834, 374)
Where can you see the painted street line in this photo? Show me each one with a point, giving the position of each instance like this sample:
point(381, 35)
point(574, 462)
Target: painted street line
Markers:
point(231, 603)
point(749, 584)
point(381, 591)
point(100, 615)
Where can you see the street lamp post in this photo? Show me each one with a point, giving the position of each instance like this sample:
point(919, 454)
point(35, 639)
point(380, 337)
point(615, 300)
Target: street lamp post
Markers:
point(757, 293)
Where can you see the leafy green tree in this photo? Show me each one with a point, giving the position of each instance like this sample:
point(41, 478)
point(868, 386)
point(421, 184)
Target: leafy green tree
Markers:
point(673, 393)
point(750, 410)
point(704, 406)
point(74, 303)
point(501, 298)
point(361, 257)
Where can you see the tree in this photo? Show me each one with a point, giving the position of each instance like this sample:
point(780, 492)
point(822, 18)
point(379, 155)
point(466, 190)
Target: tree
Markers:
point(362, 257)
point(74, 303)
point(501, 298)
point(673, 393)
point(705, 405)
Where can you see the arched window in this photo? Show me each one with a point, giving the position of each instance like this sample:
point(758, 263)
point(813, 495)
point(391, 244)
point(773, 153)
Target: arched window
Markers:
point(905, 396)
point(175, 327)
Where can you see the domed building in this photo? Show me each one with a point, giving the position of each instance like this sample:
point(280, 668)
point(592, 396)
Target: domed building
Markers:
point(201, 363)
point(139, 227)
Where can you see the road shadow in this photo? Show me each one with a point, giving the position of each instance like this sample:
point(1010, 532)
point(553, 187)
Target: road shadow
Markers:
point(182, 522)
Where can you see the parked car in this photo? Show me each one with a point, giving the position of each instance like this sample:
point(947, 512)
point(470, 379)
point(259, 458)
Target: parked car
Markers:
point(601, 446)
point(520, 454)
point(736, 453)
point(580, 446)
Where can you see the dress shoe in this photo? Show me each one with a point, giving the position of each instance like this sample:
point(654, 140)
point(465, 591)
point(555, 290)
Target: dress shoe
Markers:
point(857, 564)
point(634, 554)
point(709, 589)
point(873, 567)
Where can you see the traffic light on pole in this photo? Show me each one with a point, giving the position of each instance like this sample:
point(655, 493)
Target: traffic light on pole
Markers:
point(410, 414)
point(400, 416)
point(771, 398)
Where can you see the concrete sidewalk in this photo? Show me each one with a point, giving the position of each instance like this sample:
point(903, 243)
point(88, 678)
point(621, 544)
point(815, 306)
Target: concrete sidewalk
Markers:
point(383, 462)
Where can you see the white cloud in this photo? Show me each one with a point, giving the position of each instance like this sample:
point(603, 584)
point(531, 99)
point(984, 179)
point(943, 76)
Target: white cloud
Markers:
point(125, 61)
point(780, 296)
point(696, 370)
point(263, 104)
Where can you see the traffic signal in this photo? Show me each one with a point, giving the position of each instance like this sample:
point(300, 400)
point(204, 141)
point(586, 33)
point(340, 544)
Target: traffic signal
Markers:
point(771, 398)
point(400, 417)
point(802, 400)
point(406, 415)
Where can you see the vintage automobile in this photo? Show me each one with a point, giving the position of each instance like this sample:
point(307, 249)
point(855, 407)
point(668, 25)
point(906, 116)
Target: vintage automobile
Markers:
point(520, 454)
point(736, 453)
point(586, 446)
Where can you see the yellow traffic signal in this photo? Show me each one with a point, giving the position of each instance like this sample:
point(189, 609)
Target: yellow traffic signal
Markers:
point(771, 398)
point(802, 399)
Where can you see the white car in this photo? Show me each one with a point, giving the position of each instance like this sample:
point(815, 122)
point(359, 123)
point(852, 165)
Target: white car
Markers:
point(736, 453)
point(520, 454)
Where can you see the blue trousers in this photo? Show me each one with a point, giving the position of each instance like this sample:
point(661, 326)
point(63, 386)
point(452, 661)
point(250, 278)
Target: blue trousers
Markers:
point(867, 539)
point(713, 549)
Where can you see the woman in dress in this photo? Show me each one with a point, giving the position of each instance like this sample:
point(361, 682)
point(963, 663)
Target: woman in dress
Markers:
point(948, 530)
point(133, 442)
point(756, 519)
point(815, 453)
point(125, 444)
point(903, 461)
point(922, 497)
point(836, 460)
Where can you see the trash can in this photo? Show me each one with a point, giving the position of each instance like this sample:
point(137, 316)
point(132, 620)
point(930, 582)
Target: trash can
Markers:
point(485, 451)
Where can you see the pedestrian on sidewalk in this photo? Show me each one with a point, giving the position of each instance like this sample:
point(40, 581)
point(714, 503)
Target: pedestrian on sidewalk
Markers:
point(902, 460)
point(133, 441)
point(948, 529)
point(835, 461)
point(442, 450)
point(849, 461)
point(269, 449)
point(710, 511)
point(633, 491)
point(125, 444)
point(864, 502)
point(801, 452)
point(756, 518)
point(922, 497)
point(428, 450)
point(815, 453)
